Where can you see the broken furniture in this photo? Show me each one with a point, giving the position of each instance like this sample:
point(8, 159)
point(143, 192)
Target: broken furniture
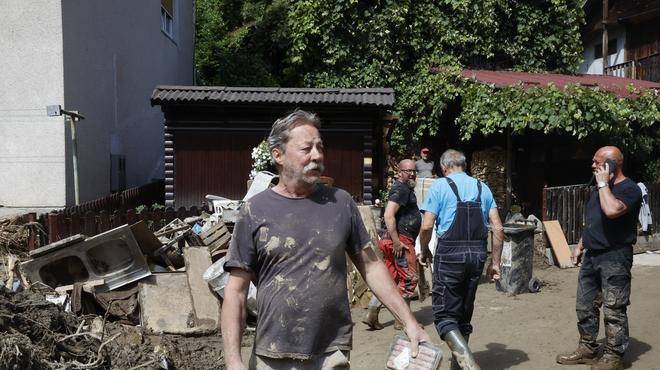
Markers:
point(113, 256)
point(216, 238)
point(170, 235)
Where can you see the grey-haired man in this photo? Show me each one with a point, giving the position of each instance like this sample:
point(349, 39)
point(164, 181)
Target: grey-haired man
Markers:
point(293, 240)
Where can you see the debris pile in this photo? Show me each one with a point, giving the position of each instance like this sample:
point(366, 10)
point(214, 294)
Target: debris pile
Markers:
point(126, 298)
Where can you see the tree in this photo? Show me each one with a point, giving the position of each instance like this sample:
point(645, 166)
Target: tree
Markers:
point(398, 43)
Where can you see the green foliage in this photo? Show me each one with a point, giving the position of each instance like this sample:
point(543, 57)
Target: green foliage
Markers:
point(387, 43)
point(577, 111)
point(145, 208)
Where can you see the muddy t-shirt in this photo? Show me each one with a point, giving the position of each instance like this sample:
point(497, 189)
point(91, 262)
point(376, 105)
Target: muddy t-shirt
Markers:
point(408, 218)
point(297, 249)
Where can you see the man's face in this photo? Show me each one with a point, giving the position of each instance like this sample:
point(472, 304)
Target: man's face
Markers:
point(302, 158)
point(408, 173)
point(598, 160)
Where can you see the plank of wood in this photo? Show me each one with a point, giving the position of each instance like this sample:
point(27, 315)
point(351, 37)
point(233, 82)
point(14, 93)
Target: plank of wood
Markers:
point(220, 225)
point(558, 243)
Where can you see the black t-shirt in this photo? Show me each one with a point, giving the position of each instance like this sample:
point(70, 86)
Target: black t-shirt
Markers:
point(601, 232)
point(408, 218)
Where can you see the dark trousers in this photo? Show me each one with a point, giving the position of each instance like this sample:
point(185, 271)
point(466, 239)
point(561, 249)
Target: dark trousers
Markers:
point(604, 279)
point(456, 273)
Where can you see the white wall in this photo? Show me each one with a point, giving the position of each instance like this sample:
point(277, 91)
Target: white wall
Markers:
point(32, 153)
point(114, 56)
point(595, 66)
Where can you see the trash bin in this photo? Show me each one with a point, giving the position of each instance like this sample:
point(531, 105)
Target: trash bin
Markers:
point(517, 259)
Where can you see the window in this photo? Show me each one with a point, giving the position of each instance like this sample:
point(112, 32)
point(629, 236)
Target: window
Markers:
point(167, 17)
point(611, 49)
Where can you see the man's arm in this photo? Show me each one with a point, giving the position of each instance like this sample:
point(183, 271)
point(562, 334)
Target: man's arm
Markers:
point(609, 204)
point(493, 270)
point(576, 256)
point(377, 277)
point(390, 222)
point(425, 235)
point(232, 318)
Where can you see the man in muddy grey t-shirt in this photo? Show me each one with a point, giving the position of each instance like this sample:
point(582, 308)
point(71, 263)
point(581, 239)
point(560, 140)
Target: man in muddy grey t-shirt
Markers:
point(293, 240)
point(297, 248)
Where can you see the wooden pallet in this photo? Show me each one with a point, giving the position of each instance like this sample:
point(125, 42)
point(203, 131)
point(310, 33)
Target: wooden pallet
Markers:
point(217, 237)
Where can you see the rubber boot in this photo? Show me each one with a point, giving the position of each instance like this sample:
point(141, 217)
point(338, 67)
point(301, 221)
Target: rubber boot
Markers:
point(583, 354)
point(371, 319)
point(453, 363)
point(460, 351)
point(609, 361)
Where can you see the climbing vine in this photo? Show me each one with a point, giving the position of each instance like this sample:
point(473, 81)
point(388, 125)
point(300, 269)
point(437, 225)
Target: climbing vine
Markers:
point(418, 48)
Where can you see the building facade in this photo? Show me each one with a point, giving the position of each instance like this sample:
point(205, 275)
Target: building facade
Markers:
point(102, 59)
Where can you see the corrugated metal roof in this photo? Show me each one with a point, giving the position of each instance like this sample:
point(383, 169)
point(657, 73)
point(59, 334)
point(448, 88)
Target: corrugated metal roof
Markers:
point(379, 97)
point(616, 85)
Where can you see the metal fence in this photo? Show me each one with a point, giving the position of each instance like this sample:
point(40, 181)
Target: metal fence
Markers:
point(566, 204)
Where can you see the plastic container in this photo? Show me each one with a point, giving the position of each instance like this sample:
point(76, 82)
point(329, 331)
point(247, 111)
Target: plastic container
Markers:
point(517, 259)
point(217, 278)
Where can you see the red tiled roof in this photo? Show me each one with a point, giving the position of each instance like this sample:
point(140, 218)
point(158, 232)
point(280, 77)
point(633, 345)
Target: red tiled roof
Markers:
point(616, 85)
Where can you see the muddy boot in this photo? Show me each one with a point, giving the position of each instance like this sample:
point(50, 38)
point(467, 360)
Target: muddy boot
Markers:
point(583, 354)
point(371, 319)
point(453, 363)
point(609, 361)
point(460, 351)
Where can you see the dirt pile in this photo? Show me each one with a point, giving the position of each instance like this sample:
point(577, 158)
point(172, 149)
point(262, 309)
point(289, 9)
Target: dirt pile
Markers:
point(37, 334)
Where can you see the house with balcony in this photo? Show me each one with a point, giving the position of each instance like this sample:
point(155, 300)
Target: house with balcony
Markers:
point(99, 58)
point(626, 32)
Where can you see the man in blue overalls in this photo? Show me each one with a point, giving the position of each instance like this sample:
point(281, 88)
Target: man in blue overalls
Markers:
point(460, 206)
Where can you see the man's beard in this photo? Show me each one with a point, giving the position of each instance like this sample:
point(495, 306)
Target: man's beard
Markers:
point(411, 183)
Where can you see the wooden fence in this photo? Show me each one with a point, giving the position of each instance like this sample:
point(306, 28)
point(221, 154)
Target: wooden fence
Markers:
point(148, 194)
point(57, 226)
point(100, 215)
point(566, 204)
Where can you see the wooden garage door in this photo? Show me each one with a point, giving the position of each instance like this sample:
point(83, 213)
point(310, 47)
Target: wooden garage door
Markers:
point(219, 163)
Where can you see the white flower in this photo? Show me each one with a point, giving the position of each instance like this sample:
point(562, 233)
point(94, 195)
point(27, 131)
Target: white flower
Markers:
point(260, 158)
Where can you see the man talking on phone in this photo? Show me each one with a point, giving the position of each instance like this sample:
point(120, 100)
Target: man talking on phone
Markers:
point(605, 250)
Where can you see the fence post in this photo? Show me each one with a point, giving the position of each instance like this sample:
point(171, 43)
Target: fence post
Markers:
point(74, 226)
point(131, 218)
point(89, 223)
point(32, 217)
point(544, 207)
point(53, 228)
point(104, 221)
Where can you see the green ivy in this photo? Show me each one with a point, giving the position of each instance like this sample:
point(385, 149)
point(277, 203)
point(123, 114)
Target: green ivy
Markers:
point(418, 48)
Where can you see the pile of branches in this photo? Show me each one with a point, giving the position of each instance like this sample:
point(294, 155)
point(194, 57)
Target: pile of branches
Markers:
point(14, 234)
point(36, 334)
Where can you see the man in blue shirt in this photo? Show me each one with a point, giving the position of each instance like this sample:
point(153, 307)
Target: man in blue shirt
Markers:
point(460, 206)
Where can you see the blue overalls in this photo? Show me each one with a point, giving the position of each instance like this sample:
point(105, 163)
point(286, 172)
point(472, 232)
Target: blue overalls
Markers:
point(457, 266)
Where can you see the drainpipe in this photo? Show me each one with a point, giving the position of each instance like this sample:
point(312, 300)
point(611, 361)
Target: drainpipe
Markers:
point(605, 36)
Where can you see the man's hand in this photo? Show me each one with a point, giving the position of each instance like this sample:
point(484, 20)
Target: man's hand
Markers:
point(602, 173)
point(427, 257)
point(576, 256)
point(417, 335)
point(397, 248)
point(236, 366)
point(493, 272)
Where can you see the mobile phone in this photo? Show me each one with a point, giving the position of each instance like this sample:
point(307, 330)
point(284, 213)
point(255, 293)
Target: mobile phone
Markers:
point(611, 165)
